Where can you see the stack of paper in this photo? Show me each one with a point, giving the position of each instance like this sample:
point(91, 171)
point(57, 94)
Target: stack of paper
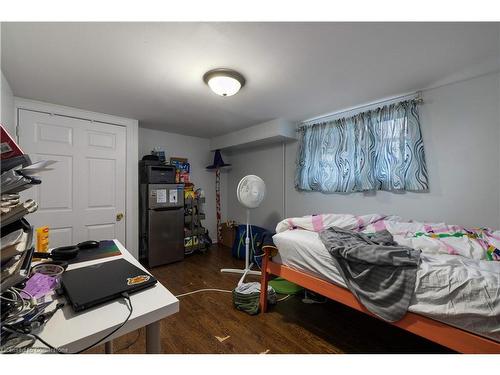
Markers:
point(16, 180)
point(12, 209)
point(17, 174)
point(13, 253)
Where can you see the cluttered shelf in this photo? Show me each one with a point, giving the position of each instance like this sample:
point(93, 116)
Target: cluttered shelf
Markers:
point(18, 174)
point(198, 216)
point(196, 237)
point(193, 201)
point(195, 234)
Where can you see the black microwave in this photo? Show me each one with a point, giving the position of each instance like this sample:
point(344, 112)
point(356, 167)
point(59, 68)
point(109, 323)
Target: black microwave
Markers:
point(157, 174)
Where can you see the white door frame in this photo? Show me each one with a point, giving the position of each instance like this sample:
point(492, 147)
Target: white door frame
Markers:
point(132, 148)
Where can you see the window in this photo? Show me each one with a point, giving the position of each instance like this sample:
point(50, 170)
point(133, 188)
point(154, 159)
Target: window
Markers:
point(381, 149)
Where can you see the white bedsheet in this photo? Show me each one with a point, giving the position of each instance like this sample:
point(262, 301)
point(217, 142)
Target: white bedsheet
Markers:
point(453, 289)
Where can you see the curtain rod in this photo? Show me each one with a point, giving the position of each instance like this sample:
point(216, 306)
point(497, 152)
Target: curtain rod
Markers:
point(417, 95)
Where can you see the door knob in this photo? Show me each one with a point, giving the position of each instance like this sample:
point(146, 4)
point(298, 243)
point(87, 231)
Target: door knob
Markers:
point(119, 216)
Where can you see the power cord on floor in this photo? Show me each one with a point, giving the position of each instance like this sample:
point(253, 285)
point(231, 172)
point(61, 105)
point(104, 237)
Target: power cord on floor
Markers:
point(284, 298)
point(222, 291)
point(204, 290)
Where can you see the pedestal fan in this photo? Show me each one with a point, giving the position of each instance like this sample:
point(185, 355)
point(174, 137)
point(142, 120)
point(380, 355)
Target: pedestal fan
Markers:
point(251, 191)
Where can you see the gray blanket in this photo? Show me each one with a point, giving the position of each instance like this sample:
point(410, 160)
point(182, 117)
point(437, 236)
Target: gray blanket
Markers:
point(379, 272)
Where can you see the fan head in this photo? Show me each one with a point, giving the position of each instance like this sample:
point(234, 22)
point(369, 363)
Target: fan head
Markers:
point(251, 191)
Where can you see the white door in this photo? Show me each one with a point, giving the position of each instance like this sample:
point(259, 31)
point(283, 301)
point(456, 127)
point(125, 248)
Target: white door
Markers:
point(83, 195)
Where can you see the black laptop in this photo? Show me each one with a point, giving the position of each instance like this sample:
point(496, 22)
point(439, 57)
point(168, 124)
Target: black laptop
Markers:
point(92, 285)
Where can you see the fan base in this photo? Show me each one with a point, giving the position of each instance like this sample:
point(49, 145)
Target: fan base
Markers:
point(244, 272)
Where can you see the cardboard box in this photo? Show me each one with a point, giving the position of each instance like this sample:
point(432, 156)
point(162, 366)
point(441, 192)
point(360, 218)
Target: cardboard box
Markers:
point(228, 233)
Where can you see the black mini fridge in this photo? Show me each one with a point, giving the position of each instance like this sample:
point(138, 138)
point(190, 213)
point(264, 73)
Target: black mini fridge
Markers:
point(161, 207)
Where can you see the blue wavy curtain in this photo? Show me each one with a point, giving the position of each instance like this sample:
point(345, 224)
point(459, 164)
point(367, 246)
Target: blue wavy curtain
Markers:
point(381, 149)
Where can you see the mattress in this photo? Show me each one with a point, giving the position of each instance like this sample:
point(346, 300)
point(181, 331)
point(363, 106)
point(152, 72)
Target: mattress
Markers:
point(456, 290)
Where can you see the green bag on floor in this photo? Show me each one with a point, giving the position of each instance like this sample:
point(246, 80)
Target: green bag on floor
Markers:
point(282, 286)
point(246, 297)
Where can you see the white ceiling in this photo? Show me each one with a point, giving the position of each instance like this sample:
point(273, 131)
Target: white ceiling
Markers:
point(153, 71)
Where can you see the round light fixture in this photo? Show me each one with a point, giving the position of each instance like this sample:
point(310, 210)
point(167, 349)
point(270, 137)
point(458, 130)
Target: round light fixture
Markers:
point(224, 82)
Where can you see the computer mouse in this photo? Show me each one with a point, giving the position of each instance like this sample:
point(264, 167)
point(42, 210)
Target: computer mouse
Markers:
point(87, 244)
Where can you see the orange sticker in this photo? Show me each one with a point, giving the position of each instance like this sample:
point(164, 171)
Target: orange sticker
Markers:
point(137, 279)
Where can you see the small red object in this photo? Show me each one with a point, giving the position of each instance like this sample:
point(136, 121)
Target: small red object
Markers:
point(9, 147)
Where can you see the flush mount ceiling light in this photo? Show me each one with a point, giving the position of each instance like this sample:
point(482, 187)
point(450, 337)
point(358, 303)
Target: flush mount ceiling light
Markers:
point(224, 82)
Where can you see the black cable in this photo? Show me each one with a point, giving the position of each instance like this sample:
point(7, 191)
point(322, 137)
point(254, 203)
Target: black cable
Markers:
point(131, 343)
point(46, 343)
point(131, 309)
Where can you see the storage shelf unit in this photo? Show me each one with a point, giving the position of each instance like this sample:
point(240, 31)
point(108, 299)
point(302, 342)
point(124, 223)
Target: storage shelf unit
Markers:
point(16, 221)
point(194, 231)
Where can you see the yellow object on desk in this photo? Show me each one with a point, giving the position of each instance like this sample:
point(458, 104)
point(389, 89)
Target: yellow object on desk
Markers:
point(42, 239)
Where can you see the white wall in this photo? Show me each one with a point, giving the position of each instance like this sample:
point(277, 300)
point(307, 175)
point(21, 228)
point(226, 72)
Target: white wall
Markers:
point(197, 151)
point(460, 125)
point(7, 107)
point(265, 162)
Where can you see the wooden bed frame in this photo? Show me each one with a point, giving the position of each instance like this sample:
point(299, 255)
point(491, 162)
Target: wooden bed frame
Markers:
point(441, 333)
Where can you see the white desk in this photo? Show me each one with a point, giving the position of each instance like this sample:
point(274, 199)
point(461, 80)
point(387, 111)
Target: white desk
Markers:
point(72, 331)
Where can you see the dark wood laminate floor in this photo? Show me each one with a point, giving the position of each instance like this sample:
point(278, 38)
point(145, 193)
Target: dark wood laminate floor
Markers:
point(289, 327)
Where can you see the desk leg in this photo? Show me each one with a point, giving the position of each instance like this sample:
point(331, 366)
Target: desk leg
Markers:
point(108, 347)
point(153, 343)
